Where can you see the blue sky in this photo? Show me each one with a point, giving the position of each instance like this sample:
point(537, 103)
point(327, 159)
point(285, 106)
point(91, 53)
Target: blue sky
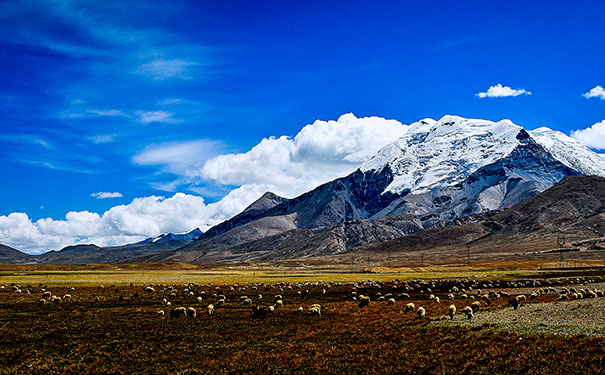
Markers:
point(134, 98)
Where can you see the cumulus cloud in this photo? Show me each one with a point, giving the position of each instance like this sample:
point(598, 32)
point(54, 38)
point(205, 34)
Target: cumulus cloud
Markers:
point(320, 152)
point(499, 91)
point(288, 166)
point(141, 218)
point(595, 92)
point(593, 137)
point(106, 195)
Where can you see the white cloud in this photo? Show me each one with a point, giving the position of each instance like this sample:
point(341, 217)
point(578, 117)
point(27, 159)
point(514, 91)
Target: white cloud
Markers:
point(595, 92)
point(147, 117)
point(164, 69)
point(320, 152)
point(499, 91)
point(141, 218)
point(593, 137)
point(178, 157)
point(103, 138)
point(105, 195)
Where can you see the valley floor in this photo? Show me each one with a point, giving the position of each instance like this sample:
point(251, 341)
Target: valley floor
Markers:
point(114, 329)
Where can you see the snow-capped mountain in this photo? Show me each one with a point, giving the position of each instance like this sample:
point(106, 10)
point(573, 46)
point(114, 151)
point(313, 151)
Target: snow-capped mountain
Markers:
point(437, 172)
point(434, 154)
point(191, 235)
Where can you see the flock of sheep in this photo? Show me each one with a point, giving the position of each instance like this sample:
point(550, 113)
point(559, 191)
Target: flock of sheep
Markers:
point(250, 295)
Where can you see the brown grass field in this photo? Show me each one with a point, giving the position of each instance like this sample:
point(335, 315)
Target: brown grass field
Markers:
point(120, 332)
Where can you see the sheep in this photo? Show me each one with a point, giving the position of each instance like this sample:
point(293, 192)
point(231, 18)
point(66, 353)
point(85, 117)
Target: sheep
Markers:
point(220, 302)
point(301, 309)
point(409, 307)
point(279, 303)
point(149, 289)
point(211, 309)
point(160, 313)
point(452, 311)
point(468, 311)
point(199, 299)
point(476, 306)
point(191, 313)
point(271, 308)
point(421, 312)
point(450, 296)
point(364, 301)
point(247, 301)
point(314, 310)
point(391, 301)
point(258, 312)
point(522, 298)
point(67, 296)
point(42, 302)
point(437, 299)
point(177, 312)
point(515, 302)
point(46, 294)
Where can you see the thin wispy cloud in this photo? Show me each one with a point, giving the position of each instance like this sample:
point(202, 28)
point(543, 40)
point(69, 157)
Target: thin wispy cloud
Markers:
point(148, 117)
point(499, 91)
point(106, 195)
point(595, 92)
point(160, 69)
point(105, 138)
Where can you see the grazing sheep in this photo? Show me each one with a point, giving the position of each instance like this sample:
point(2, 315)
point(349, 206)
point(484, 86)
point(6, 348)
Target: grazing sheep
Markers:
point(271, 308)
point(220, 302)
point(514, 302)
point(381, 298)
point(199, 299)
point(391, 301)
point(364, 301)
point(258, 312)
point(42, 302)
point(300, 309)
point(315, 310)
point(468, 311)
point(421, 312)
point(46, 294)
point(191, 313)
point(160, 313)
point(210, 309)
point(450, 296)
point(279, 303)
point(409, 307)
point(452, 311)
point(476, 306)
point(437, 299)
point(149, 289)
point(177, 312)
point(404, 296)
point(522, 298)
point(67, 296)
point(247, 301)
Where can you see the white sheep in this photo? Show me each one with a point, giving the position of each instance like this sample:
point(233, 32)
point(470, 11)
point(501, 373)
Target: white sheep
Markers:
point(452, 311)
point(409, 307)
point(191, 313)
point(421, 312)
point(160, 313)
point(211, 309)
point(468, 311)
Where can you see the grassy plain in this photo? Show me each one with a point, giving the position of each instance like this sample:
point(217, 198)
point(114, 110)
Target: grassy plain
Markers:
point(119, 332)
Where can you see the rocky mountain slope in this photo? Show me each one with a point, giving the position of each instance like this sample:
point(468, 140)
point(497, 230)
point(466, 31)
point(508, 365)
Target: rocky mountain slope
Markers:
point(437, 172)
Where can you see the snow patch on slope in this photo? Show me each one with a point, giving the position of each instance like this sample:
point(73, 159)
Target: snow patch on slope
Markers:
point(569, 151)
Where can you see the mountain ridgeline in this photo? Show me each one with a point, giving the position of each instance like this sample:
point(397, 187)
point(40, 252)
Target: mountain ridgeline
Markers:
point(439, 172)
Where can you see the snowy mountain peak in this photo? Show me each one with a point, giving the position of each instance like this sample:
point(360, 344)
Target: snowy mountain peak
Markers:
point(569, 151)
point(445, 152)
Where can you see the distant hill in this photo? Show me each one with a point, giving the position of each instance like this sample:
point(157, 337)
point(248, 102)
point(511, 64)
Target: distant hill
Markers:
point(8, 255)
